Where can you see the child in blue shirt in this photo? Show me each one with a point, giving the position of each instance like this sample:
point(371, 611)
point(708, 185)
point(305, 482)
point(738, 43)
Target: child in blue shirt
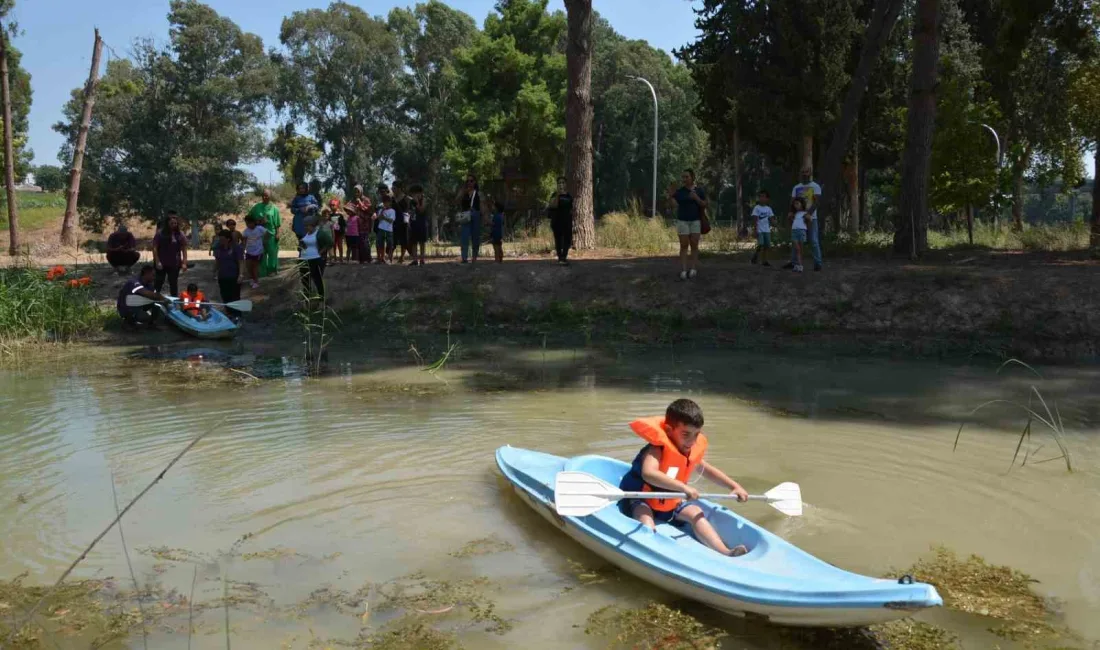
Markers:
point(497, 232)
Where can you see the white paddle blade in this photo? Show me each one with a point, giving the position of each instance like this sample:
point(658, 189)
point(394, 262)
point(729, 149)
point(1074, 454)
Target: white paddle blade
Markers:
point(577, 494)
point(240, 305)
point(134, 300)
point(786, 498)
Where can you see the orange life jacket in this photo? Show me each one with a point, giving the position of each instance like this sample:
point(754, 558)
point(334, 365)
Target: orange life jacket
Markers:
point(673, 463)
point(192, 304)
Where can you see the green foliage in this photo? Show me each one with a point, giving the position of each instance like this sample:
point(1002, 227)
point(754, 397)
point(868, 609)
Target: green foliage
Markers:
point(511, 95)
point(635, 233)
point(34, 308)
point(297, 155)
point(19, 85)
point(50, 178)
point(173, 125)
point(623, 120)
point(341, 76)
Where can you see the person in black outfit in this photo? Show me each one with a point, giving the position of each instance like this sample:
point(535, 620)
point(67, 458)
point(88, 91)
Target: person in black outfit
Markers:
point(403, 206)
point(561, 221)
point(418, 225)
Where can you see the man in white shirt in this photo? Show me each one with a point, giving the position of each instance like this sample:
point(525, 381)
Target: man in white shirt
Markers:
point(811, 193)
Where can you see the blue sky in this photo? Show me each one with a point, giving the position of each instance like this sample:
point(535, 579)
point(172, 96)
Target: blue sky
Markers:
point(57, 40)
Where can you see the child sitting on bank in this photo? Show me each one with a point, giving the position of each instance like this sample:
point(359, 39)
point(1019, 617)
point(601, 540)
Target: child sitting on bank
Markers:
point(675, 449)
point(192, 303)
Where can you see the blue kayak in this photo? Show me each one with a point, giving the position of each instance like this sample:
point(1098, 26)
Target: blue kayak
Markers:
point(775, 579)
point(217, 326)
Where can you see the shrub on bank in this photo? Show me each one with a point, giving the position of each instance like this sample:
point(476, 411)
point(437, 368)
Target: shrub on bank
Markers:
point(635, 233)
point(51, 305)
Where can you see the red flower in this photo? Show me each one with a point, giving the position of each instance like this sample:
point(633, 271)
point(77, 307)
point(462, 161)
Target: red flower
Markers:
point(73, 284)
point(85, 281)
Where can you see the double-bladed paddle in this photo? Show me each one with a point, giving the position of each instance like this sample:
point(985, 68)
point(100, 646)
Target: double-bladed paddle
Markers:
point(577, 494)
point(134, 300)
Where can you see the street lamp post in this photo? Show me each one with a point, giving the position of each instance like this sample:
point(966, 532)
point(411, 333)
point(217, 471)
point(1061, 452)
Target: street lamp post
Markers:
point(655, 123)
point(997, 139)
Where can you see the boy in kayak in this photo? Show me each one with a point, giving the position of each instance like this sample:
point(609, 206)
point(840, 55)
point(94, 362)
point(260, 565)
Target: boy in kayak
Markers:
point(194, 303)
point(675, 449)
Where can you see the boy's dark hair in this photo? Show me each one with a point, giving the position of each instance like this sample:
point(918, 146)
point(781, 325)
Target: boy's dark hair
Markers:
point(690, 172)
point(684, 411)
point(192, 287)
point(224, 232)
point(247, 219)
point(764, 193)
point(171, 213)
point(146, 268)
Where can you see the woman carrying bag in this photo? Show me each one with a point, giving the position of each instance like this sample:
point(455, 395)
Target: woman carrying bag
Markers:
point(469, 218)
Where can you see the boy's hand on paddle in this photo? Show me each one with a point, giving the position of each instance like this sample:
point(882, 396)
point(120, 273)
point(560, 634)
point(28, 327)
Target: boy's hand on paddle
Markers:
point(740, 493)
point(692, 493)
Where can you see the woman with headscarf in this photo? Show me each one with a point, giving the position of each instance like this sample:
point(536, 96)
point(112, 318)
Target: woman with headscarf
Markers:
point(469, 217)
point(303, 205)
point(266, 214)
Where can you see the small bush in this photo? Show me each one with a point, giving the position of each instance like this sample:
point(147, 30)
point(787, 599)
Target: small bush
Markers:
point(539, 243)
point(60, 308)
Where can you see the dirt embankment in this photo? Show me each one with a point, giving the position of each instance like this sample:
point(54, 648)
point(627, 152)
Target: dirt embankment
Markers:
point(1039, 307)
point(1036, 307)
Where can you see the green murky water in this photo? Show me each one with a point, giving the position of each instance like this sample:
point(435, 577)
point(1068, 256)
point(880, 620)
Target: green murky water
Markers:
point(343, 487)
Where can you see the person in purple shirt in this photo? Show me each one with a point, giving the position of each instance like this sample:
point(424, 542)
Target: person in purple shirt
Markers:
point(227, 259)
point(122, 252)
point(169, 254)
point(139, 316)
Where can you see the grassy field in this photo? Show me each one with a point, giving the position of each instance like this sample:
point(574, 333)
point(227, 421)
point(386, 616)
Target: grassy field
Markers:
point(36, 209)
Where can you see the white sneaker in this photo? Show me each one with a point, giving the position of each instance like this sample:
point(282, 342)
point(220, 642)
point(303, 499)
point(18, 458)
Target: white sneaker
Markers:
point(798, 268)
point(683, 275)
point(692, 273)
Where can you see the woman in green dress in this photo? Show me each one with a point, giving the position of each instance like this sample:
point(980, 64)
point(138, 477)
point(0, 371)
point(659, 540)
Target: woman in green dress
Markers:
point(266, 214)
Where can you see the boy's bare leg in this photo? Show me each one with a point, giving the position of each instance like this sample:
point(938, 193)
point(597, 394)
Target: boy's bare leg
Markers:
point(705, 532)
point(644, 514)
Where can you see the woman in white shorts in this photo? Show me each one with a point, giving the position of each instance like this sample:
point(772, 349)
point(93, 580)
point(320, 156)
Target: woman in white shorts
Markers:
point(690, 200)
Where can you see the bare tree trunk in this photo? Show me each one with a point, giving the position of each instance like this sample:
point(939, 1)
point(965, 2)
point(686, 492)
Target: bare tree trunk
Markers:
point(578, 120)
point(1018, 195)
point(808, 153)
point(738, 186)
point(68, 237)
point(911, 236)
point(1094, 231)
point(9, 149)
point(883, 18)
point(864, 218)
point(970, 224)
point(851, 177)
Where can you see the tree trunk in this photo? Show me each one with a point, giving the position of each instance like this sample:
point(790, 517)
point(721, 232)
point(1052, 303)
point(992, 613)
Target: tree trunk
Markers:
point(737, 184)
point(808, 153)
point(851, 177)
point(9, 149)
point(1018, 196)
point(864, 218)
point(578, 120)
point(883, 18)
point(911, 236)
point(68, 237)
point(1094, 231)
point(970, 224)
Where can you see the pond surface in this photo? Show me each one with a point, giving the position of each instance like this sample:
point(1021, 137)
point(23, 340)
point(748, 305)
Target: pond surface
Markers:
point(381, 471)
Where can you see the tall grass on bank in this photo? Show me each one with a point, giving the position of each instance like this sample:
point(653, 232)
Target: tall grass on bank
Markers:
point(1061, 236)
point(635, 233)
point(33, 307)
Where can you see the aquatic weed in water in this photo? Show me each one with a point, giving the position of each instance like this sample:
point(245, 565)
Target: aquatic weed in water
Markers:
point(653, 627)
point(483, 546)
point(1052, 421)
